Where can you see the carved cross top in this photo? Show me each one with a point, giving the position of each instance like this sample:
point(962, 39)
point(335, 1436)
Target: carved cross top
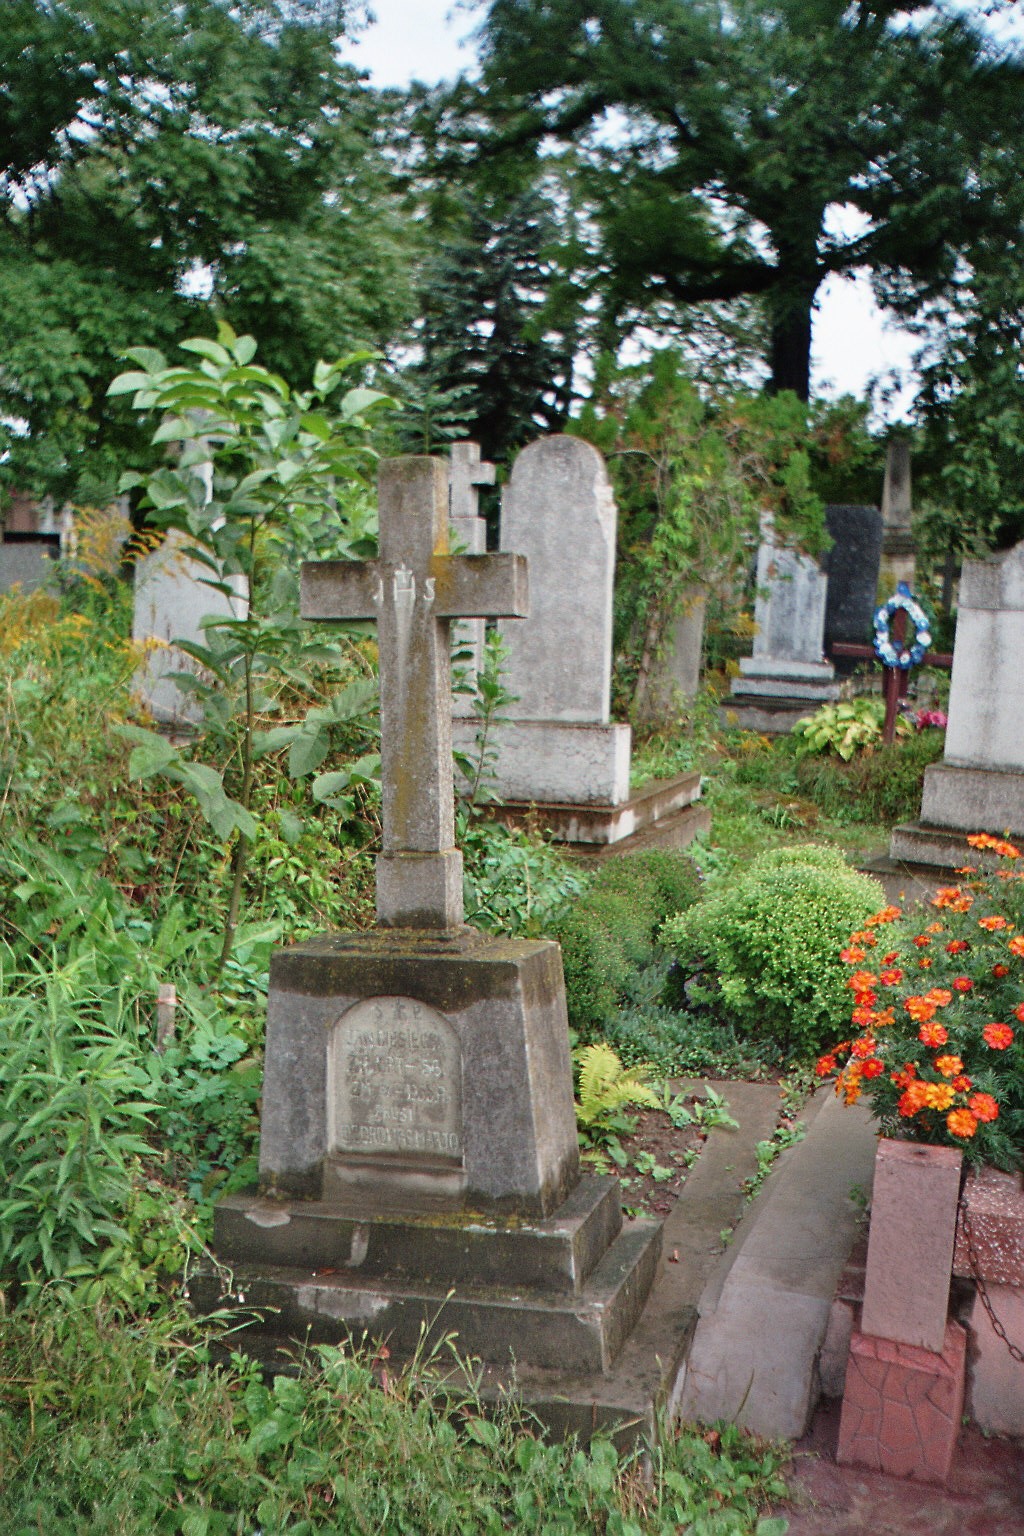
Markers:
point(413, 590)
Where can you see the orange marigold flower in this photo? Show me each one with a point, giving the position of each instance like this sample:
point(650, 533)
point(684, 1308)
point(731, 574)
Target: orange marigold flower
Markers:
point(947, 896)
point(872, 1067)
point(999, 971)
point(967, 869)
point(885, 1016)
point(864, 936)
point(921, 1009)
point(998, 1036)
point(826, 1066)
point(863, 1015)
point(949, 1066)
point(961, 1122)
point(923, 965)
point(852, 955)
point(992, 924)
point(1016, 946)
point(1019, 1012)
point(934, 928)
point(865, 999)
point(933, 1034)
point(963, 1083)
point(983, 1106)
point(962, 983)
point(892, 977)
point(901, 1079)
point(862, 981)
point(939, 996)
point(957, 946)
point(922, 941)
point(998, 845)
point(863, 1047)
point(913, 1099)
point(939, 1096)
point(887, 915)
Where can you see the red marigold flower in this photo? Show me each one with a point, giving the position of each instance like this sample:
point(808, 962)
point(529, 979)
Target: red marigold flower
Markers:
point(863, 1015)
point(913, 1099)
point(888, 959)
point(992, 924)
point(891, 978)
point(887, 915)
point(949, 1066)
point(962, 1123)
point(999, 971)
point(901, 1079)
point(872, 1067)
point(962, 983)
point(963, 1083)
point(998, 1036)
point(983, 1106)
point(1019, 1012)
point(947, 896)
point(939, 996)
point(865, 999)
point(864, 1047)
point(826, 1066)
point(923, 965)
point(852, 955)
point(1016, 946)
point(933, 1034)
point(957, 946)
point(922, 941)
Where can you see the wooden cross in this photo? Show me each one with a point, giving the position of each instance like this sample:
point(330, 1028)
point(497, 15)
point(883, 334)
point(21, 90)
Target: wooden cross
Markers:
point(414, 589)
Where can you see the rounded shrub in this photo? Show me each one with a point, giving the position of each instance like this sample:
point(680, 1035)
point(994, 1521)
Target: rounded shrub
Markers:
point(771, 935)
point(609, 935)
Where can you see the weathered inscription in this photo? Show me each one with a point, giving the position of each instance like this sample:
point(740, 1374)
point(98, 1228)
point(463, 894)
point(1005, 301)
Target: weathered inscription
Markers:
point(396, 1081)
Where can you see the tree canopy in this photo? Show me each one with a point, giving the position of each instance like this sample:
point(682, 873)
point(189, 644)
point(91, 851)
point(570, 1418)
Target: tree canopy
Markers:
point(718, 139)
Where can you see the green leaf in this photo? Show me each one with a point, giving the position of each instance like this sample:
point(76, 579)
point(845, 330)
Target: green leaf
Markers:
point(208, 349)
point(129, 384)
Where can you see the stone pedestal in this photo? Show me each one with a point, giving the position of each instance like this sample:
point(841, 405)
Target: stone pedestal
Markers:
point(994, 1256)
point(419, 1164)
point(786, 679)
point(902, 1406)
point(979, 785)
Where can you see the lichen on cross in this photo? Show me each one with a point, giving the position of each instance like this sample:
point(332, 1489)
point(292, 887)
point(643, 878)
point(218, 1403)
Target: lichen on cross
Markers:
point(414, 589)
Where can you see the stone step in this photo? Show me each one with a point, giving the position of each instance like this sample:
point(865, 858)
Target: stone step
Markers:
point(598, 825)
point(557, 1253)
point(545, 1329)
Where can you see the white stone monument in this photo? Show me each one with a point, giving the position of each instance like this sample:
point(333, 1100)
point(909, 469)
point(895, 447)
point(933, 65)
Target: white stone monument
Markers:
point(979, 785)
point(786, 678)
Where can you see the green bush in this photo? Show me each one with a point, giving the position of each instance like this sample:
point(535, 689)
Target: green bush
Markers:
point(771, 935)
point(880, 786)
point(610, 935)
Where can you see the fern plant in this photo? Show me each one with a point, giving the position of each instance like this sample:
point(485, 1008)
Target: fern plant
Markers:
point(606, 1089)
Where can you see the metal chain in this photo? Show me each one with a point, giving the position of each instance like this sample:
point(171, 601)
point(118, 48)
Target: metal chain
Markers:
point(997, 1327)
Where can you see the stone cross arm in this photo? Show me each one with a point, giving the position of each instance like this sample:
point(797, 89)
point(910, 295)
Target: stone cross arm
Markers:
point(463, 587)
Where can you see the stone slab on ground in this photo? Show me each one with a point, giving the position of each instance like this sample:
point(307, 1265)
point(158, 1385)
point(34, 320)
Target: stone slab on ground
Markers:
point(593, 827)
point(764, 1314)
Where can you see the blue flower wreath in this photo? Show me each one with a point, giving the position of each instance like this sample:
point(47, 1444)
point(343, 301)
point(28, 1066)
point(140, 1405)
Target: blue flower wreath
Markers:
point(908, 655)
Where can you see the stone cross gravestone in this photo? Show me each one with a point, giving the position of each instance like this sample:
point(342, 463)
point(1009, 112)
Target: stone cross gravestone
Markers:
point(418, 1149)
point(467, 472)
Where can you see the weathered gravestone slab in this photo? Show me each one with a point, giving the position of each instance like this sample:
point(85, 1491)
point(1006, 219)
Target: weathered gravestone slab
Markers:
point(467, 472)
point(675, 672)
point(786, 679)
point(418, 1150)
point(852, 565)
point(172, 600)
point(979, 785)
point(27, 560)
point(559, 758)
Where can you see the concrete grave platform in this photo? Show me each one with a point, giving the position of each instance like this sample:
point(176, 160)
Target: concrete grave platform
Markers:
point(665, 813)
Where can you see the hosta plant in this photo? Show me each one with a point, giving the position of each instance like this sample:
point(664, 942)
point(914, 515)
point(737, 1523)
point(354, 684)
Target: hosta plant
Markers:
point(847, 727)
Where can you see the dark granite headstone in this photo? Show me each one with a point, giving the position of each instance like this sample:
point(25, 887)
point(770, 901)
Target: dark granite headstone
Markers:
point(852, 565)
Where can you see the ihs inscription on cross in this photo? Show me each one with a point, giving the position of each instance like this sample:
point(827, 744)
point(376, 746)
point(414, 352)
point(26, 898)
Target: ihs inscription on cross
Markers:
point(413, 590)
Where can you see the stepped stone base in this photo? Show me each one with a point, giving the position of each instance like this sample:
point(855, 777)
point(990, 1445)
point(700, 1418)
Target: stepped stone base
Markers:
point(772, 715)
point(562, 1292)
point(665, 813)
point(902, 1406)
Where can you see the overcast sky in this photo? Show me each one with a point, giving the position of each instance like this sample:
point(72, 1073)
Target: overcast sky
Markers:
point(853, 344)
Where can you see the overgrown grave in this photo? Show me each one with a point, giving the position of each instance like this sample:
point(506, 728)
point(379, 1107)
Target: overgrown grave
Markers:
point(419, 1164)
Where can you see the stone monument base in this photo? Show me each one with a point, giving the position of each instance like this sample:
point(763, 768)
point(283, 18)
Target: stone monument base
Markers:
point(557, 1293)
point(665, 813)
point(771, 696)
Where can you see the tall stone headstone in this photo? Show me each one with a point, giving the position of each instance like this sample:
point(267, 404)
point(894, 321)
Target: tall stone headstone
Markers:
point(674, 676)
point(418, 1149)
point(852, 564)
point(979, 785)
point(173, 598)
point(558, 756)
point(787, 677)
point(467, 472)
point(27, 560)
point(898, 561)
